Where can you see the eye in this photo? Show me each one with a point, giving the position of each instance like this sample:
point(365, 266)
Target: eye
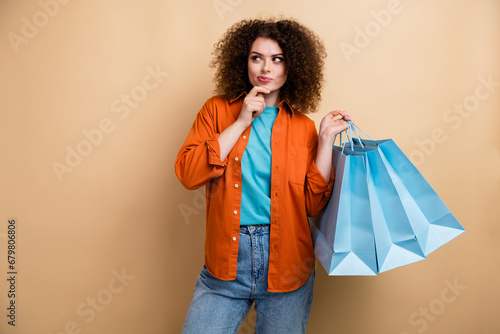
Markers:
point(278, 59)
point(255, 58)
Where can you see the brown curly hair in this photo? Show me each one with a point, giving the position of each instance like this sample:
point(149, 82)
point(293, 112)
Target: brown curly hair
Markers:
point(303, 51)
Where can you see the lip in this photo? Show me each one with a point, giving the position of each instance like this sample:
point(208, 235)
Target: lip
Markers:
point(264, 79)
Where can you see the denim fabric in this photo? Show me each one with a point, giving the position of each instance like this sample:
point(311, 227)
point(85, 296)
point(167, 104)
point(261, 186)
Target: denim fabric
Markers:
point(221, 306)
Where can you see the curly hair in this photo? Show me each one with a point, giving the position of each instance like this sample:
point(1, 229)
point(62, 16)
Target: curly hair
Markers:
point(303, 51)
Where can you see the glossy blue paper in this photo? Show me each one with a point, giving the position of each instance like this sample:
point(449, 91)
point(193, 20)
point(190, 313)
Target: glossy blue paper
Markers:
point(344, 242)
point(407, 220)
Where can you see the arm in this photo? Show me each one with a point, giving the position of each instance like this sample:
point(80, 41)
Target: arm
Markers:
point(253, 105)
point(320, 173)
point(328, 129)
point(203, 156)
point(198, 160)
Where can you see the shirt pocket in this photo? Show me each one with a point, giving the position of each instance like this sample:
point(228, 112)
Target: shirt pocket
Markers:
point(297, 165)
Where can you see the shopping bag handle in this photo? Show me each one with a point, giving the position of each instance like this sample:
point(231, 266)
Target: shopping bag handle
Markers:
point(348, 140)
point(352, 127)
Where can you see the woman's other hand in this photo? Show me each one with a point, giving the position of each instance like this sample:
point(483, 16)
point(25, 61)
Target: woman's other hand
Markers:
point(331, 126)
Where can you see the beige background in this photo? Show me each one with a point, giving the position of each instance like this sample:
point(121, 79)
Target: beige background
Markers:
point(119, 209)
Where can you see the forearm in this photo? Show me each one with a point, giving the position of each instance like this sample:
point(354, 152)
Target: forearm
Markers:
point(330, 127)
point(229, 137)
point(324, 158)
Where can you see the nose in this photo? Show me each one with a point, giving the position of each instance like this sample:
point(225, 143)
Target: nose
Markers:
point(266, 68)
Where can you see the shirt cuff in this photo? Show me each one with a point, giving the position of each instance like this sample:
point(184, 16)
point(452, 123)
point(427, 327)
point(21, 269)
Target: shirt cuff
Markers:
point(213, 148)
point(317, 181)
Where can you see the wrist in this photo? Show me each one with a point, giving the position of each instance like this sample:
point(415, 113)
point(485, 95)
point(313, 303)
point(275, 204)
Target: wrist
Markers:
point(325, 140)
point(240, 125)
point(324, 160)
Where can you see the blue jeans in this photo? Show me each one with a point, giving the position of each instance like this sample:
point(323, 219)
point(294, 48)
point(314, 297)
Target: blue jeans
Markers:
point(221, 306)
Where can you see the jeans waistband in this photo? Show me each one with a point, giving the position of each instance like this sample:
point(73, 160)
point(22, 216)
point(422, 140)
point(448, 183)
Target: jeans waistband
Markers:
point(247, 229)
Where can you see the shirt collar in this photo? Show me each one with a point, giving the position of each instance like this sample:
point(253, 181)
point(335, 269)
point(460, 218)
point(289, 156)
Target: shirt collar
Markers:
point(280, 105)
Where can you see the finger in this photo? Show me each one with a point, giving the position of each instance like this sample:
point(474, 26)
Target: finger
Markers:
point(256, 107)
point(256, 100)
point(346, 116)
point(257, 113)
point(254, 92)
point(335, 112)
point(338, 127)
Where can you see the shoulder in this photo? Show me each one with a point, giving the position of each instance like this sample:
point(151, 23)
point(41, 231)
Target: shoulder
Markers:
point(215, 101)
point(219, 102)
point(218, 108)
point(303, 125)
point(213, 105)
point(303, 120)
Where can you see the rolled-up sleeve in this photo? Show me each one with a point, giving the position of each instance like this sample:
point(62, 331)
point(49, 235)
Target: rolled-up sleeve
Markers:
point(198, 160)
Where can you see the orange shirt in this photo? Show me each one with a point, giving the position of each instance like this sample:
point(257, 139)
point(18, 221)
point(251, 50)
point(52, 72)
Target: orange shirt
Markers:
point(298, 190)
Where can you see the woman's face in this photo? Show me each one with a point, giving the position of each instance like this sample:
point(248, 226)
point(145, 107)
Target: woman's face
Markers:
point(266, 65)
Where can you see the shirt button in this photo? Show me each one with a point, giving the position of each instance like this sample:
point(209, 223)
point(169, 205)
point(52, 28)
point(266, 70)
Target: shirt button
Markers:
point(244, 137)
point(236, 159)
point(236, 185)
point(235, 212)
point(234, 238)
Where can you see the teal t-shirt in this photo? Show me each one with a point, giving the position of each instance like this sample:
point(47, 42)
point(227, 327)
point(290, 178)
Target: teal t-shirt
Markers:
point(256, 171)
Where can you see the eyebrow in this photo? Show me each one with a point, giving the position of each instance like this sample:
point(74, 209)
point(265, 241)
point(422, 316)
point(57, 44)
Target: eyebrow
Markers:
point(260, 54)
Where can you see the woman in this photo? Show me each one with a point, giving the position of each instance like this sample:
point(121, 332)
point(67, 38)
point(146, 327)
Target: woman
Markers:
point(265, 170)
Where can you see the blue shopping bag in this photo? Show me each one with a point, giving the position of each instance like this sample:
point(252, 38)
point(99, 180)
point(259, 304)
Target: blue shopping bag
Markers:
point(343, 237)
point(408, 219)
point(433, 223)
point(395, 239)
point(396, 244)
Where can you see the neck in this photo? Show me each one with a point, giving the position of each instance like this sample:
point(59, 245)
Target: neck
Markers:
point(272, 99)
